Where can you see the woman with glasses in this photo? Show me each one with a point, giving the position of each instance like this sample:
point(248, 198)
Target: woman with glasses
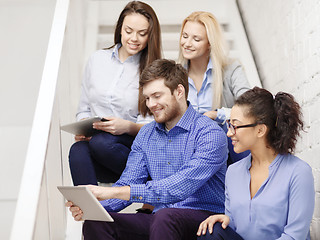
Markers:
point(215, 80)
point(270, 193)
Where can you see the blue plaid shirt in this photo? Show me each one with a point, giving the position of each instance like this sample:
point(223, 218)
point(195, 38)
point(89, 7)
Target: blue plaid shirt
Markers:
point(187, 165)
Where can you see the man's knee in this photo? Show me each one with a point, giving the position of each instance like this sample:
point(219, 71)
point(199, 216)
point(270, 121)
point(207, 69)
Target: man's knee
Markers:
point(90, 229)
point(169, 224)
point(88, 225)
point(97, 230)
point(163, 214)
point(163, 218)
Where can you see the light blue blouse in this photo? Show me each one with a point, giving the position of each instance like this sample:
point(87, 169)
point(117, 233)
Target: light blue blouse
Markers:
point(234, 84)
point(283, 206)
point(202, 101)
point(111, 87)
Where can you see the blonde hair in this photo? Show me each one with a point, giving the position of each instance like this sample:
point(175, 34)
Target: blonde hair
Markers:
point(218, 51)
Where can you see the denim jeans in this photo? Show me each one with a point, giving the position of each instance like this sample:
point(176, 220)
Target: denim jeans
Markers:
point(102, 159)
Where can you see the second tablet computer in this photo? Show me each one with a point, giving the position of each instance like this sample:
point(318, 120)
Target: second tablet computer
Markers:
point(83, 127)
point(83, 198)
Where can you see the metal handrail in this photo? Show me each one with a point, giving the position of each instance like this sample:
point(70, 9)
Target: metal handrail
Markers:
point(28, 198)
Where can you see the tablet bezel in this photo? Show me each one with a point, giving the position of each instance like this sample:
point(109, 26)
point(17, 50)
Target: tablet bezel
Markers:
point(83, 127)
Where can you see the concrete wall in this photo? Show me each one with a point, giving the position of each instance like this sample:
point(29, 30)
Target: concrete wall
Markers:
point(25, 28)
point(285, 39)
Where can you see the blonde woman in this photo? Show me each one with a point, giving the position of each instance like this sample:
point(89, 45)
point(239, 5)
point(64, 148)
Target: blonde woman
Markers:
point(215, 80)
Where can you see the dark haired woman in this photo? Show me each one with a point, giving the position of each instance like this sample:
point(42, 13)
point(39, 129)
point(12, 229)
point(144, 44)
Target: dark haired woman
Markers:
point(270, 193)
point(110, 89)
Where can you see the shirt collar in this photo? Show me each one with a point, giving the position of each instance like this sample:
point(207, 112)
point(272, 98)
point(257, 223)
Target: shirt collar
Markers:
point(185, 121)
point(208, 70)
point(248, 161)
point(115, 51)
point(209, 66)
point(115, 54)
point(274, 163)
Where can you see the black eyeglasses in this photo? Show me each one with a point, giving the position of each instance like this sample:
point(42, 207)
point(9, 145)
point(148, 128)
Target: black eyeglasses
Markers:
point(233, 128)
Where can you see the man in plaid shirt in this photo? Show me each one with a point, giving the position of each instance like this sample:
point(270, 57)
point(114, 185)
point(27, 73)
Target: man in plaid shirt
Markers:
point(182, 151)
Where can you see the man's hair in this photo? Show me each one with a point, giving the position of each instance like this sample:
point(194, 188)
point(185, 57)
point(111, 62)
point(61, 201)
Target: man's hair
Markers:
point(172, 73)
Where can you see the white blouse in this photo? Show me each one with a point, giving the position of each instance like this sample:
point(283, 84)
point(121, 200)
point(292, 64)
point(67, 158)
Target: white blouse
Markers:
point(111, 87)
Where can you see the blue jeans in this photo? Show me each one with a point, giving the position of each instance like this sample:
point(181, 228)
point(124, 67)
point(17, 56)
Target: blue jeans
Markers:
point(221, 234)
point(102, 159)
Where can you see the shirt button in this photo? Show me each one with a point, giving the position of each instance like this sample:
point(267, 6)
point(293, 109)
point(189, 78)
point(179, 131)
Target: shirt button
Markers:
point(158, 199)
point(170, 141)
point(169, 163)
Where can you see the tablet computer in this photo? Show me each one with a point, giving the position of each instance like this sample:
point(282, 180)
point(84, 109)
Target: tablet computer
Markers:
point(89, 204)
point(83, 127)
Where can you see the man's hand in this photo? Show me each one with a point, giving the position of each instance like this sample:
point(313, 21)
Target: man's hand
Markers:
point(101, 193)
point(210, 221)
point(75, 210)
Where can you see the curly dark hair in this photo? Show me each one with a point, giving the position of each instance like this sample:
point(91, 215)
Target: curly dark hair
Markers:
point(280, 113)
